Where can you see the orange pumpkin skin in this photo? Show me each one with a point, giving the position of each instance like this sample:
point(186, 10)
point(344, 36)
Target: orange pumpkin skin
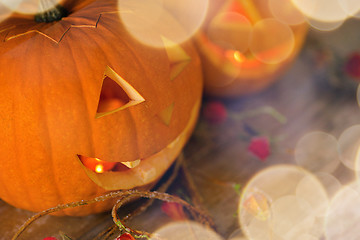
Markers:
point(51, 77)
point(224, 76)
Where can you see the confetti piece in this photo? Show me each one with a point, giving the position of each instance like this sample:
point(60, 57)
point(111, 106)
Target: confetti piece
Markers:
point(174, 210)
point(352, 66)
point(260, 147)
point(125, 236)
point(215, 112)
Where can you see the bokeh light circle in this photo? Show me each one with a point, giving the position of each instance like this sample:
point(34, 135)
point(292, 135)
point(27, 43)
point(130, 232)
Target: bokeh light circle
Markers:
point(272, 41)
point(306, 237)
point(11, 4)
point(349, 145)
point(286, 12)
point(150, 20)
point(350, 7)
point(267, 194)
point(343, 216)
point(291, 216)
point(230, 30)
point(331, 184)
point(325, 26)
point(321, 10)
point(258, 230)
point(357, 15)
point(307, 190)
point(317, 152)
point(29, 6)
point(188, 230)
point(4, 11)
point(236, 235)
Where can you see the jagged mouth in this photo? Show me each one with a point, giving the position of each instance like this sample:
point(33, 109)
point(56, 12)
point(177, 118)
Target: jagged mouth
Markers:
point(98, 166)
point(130, 174)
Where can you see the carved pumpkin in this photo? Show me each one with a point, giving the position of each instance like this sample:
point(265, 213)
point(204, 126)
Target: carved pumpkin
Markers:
point(86, 109)
point(230, 68)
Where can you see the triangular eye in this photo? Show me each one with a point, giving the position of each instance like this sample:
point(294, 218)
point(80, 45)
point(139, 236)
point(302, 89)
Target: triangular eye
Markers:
point(177, 56)
point(116, 94)
point(166, 114)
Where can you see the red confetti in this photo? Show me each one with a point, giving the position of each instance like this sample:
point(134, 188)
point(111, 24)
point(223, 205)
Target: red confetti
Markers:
point(125, 236)
point(174, 210)
point(260, 147)
point(50, 238)
point(215, 112)
point(352, 66)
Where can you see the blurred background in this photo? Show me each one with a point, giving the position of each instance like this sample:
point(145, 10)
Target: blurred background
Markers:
point(275, 153)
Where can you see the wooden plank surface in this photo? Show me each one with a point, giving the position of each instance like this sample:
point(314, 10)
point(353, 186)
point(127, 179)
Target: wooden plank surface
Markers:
point(217, 155)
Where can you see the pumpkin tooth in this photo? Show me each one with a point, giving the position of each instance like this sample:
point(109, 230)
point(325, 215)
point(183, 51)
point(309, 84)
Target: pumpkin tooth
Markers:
point(131, 164)
point(173, 143)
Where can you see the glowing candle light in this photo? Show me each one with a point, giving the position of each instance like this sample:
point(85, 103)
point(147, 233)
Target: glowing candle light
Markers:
point(238, 56)
point(97, 165)
point(99, 168)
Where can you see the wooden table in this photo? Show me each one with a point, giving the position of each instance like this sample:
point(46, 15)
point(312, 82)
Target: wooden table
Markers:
point(217, 156)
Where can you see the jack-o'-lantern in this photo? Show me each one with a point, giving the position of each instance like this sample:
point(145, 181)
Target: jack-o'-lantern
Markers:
point(86, 109)
point(244, 47)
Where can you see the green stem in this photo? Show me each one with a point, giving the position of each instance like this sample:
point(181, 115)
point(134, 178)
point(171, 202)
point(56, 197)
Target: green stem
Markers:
point(54, 14)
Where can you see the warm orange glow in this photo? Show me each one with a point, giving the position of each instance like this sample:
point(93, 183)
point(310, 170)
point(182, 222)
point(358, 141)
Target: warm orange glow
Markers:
point(238, 57)
point(272, 41)
point(99, 168)
point(96, 165)
point(251, 10)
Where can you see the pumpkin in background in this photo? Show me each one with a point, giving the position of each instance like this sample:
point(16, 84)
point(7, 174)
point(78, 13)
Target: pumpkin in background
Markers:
point(244, 48)
point(86, 109)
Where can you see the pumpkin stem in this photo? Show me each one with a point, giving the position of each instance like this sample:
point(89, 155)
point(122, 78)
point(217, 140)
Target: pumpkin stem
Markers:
point(54, 14)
